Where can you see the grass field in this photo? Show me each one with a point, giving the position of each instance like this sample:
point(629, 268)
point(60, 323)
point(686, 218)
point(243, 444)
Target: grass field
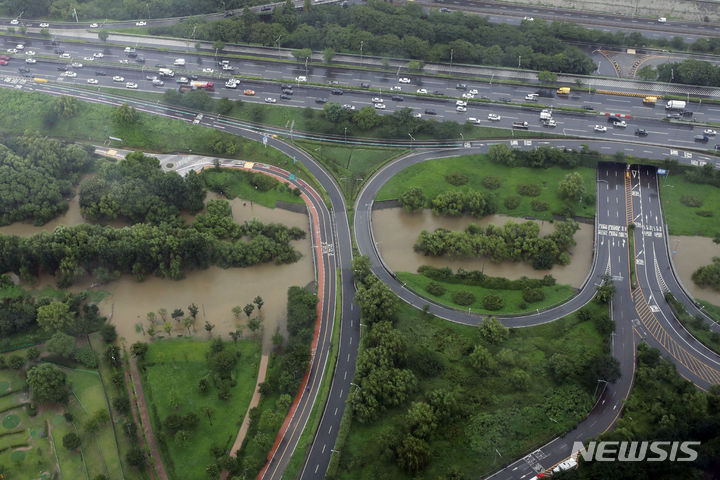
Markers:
point(430, 177)
point(513, 298)
point(495, 415)
point(173, 370)
point(683, 220)
point(239, 186)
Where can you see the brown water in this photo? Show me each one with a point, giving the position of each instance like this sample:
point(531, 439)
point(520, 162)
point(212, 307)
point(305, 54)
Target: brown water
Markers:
point(396, 232)
point(691, 254)
point(71, 217)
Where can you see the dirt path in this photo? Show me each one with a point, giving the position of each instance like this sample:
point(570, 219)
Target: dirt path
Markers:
point(133, 378)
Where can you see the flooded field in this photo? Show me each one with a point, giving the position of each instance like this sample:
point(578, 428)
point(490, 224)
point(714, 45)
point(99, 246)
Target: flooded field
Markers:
point(690, 254)
point(71, 217)
point(396, 232)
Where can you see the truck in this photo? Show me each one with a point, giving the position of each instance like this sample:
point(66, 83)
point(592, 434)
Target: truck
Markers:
point(166, 72)
point(546, 114)
point(650, 101)
point(563, 91)
point(675, 105)
point(179, 62)
point(209, 86)
point(523, 125)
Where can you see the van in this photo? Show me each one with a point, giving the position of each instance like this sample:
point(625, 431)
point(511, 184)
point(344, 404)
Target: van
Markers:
point(650, 100)
point(662, 20)
point(179, 62)
point(563, 91)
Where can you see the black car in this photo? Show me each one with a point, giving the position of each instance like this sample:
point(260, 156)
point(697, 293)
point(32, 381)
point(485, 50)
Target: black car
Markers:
point(140, 59)
point(614, 120)
point(285, 85)
point(438, 92)
point(160, 65)
point(287, 91)
point(588, 107)
point(365, 85)
point(101, 74)
point(285, 96)
point(193, 77)
point(23, 70)
point(717, 146)
point(641, 132)
point(461, 86)
point(397, 98)
point(321, 100)
point(62, 68)
point(132, 54)
point(687, 113)
point(430, 112)
point(59, 51)
point(336, 91)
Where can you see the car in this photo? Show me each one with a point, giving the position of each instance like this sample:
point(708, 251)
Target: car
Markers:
point(445, 10)
point(3, 63)
point(460, 108)
point(321, 100)
point(364, 85)
point(76, 65)
point(334, 82)
point(287, 91)
point(641, 132)
point(285, 96)
point(286, 86)
point(717, 146)
point(182, 80)
point(404, 80)
point(141, 23)
point(266, 8)
point(270, 100)
point(675, 115)
point(505, 99)
point(247, 91)
point(30, 53)
point(710, 132)
point(473, 91)
point(88, 59)
point(23, 70)
point(157, 82)
point(301, 78)
point(59, 51)
point(193, 77)
point(620, 124)
point(379, 106)
point(531, 97)
point(348, 107)
point(230, 84)
point(30, 60)
point(69, 74)
point(336, 91)
point(588, 107)
point(600, 128)
point(14, 21)
point(662, 20)
point(44, 25)
point(421, 90)
point(615, 119)
point(118, 78)
point(228, 14)
point(461, 86)
point(467, 95)
point(140, 59)
point(549, 123)
point(208, 70)
point(129, 50)
point(494, 117)
point(131, 85)
point(377, 100)
point(65, 55)
point(94, 25)
point(98, 55)
point(227, 67)
point(150, 77)
point(460, 103)
point(396, 88)
point(438, 92)
point(11, 50)
point(398, 98)
point(528, 19)
point(92, 81)
point(132, 54)
point(473, 120)
point(100, 74)
point(429, 111)
point(4, 57)
point(62, 68)
point(20, 46)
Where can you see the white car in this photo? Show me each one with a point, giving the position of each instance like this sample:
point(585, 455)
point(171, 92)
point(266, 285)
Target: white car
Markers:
point(621, 124)
point(20, 46)
point(131, 85)
point(417, 115)
point(348, 107)
point(157, 82)
point(226, 67)
point(494, 117)
point(404, 80)
point(88, 59)
point(377, 100)
point(11, 50)
point(76, 65)
point(396, 88)
point(473, 120)
point(300, 78)
point(183, 80)
point(710, 132)
point(379, 106)
point(30, 53)
point(92, 81)
point(118, 78)
point(460, 103)
point(421, 90)
point(125, 61)
point(270, 100)
point(473, 91)
point(460, 108)
point(208, 70)
point(600, 128)
point(550, 123)
point(44, 25)
point(467, 95)
point(30, 60)
point(141, 23)
point(98, 55)
point(65, 55)
point(14, 21)
point(230, 84)
point(69, 74)
point(93, 25)
point(660, 20)
point(529, 19)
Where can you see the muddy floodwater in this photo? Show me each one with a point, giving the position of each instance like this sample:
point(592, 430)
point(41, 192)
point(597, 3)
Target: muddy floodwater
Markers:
point(396, 232)
point(689, 254)
point(214, 290)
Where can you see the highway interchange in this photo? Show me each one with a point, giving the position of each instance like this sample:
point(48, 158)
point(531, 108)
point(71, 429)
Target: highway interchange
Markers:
point(624, 196)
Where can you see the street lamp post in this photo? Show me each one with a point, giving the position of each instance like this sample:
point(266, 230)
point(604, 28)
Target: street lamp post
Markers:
point(345, 135)
point(452, 52)
point(278, 42)
point(362, 42)
point(519, 60)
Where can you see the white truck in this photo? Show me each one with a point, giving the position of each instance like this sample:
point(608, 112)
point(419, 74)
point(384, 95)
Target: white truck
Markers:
point(546, 114)
point(166, 72)
point(675, 105)
point(179, 62)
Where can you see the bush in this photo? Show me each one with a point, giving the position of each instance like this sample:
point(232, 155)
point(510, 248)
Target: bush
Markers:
point(529, 190)
point(493, 302)
point(532, 295)
point(463, 297)
point(538, 206)
point(512, 202)
point(121, 404)
point(86, 356)
point(704, 213)
point(15, 362)
point(492, 183)
point(691, 201)
point(456, 179)
point(108, 333)
point(71, 441)
point(434, 288)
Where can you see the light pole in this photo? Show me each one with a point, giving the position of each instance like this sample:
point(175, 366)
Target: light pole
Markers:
point(278, 42)
point(148, 9)
point(362, 42)
point(519, 60)
point(452, 52)
point(412, 139)
point(345, 135)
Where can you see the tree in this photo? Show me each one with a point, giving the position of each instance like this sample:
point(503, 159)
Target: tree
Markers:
point(605, 291)
point(236, 335)
point(193, 310)
point(259, 302)
point(413, 199)
point(248, 309)
point(32, 353)
point(421, 419)
point(55, 316)
point(112, 355)
point(167, 327)
point(647, 72)
point(218, 45)
point(328, 54)
point(108, 333)
point(61, 344)
point(47, 383)
point(237, 311)
point(278, 339)
point(209, 327)
point(500, 153)
point(65, 106)
point(71, 441)
point(150, 316)
point(376, 301)
point(302, 54)
point(136, 457)
point(254, 324)
point(492, 331)
point(188, 322)
point(139, 350)
point(413, 454)
point(572, 187)
point(361, 268)
point(103, 35)
point(545, 76)
point(481, 360)
point(177, 314)
point(208, 412)
point(125, 115)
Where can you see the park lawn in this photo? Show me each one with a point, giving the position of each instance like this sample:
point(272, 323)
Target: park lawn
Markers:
point(430, 177)
point(173, 368)
point(13, 378)
point(684, 220)
point(496, 416)
point(71, 463)
point(13, 439)
point(35, 461)
point(238, 185)
point(554, 295)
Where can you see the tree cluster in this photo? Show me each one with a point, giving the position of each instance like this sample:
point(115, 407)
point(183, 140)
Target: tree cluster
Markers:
point(137, 190)
point(478, 278)
point(36, 175)
point(128, 10)
point(690, 71)
point(455, 203)
point(514, 242)
point(708, 275)
point(540, 157)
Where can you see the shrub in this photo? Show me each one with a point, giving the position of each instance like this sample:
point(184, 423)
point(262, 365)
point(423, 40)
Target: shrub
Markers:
point(456, 179)
point(493, 302)
point(16, 362)
point(532, 295)
point(492, 183)
point(463, 297)
point(85, 356)
point(529, 190)
point(704, 213)
point(538, 206)
point(434, 288)
point(108, 333)
point(512, 202)
point(71, 441)
point(691, 201)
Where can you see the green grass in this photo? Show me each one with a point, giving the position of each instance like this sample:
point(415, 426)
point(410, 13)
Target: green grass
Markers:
point(173, 368)
point(513, 298)
point(711, 310)
point(515, 421)
point(681, 219)
point(430, 177)
point(239, 186)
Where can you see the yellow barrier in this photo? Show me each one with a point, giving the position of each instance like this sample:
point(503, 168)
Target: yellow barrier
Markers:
point(625, 94)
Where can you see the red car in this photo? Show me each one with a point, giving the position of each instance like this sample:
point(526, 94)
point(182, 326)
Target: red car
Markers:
point(3, 62)
point(4, 57)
